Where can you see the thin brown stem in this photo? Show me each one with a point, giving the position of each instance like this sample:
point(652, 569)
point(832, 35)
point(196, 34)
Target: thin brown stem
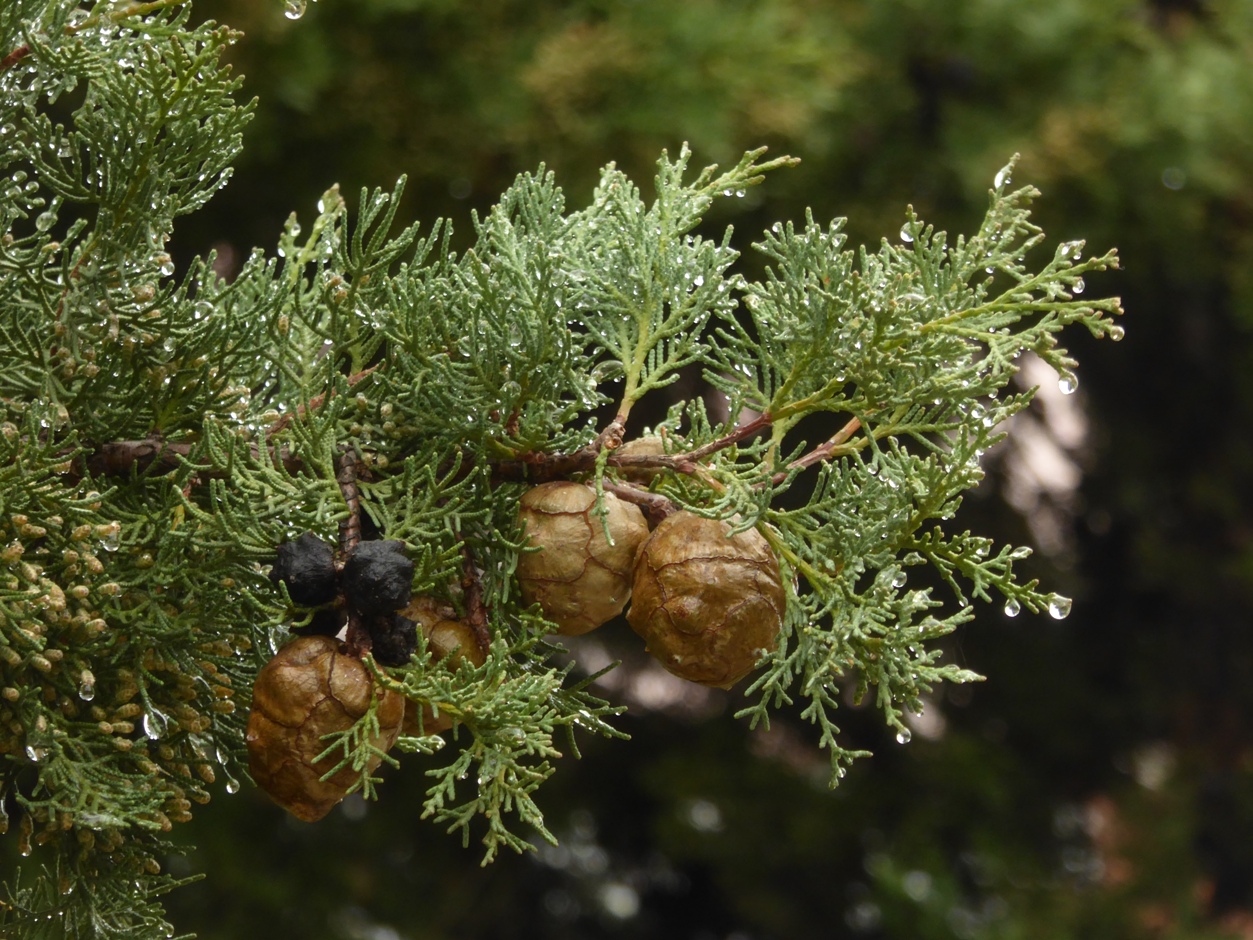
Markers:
point(357, 638)
point(654, 506)
point(155, 454)
point(822, 452)
point(346, 477)
point(316, 402)
point(543, 467)
point(472, 588)
point(14, 57)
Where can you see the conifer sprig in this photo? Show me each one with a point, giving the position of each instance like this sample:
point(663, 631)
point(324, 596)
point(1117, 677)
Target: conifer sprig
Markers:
point(161, 435)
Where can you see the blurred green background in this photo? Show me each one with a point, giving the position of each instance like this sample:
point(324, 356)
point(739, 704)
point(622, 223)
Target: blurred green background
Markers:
point(1100, 783)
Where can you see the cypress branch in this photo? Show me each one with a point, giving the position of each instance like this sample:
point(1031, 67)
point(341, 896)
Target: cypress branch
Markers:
point(161, 436)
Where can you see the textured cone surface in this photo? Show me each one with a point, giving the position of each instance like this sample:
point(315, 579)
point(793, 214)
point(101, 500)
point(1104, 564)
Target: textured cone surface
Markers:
point(577, 578)
point(705, 604)
point(307, 567)
point(378, 577)
point(310, 689)
point(449, 641)
point(427, 611)
point(649, 446)
point(393, 638)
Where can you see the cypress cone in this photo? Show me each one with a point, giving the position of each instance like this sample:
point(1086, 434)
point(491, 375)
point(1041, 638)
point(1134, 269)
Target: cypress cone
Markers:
point(450, 641)
point(706, 604)
point(307, 566)
point(309, 689)
point(578, 578)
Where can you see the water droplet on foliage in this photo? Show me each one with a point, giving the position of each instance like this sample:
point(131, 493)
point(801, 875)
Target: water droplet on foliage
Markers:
point(45, 221)
point(110, 536)
point(155, 724)
point(1012, 608)
point(906, 235)
point(900, 579)
point(1003, 178)
point(294, 9)
point(903, 736)
point(1116, 333)
point(1078, 287)
point(1059, 607)
point(1072, 250)
point(1067, 383)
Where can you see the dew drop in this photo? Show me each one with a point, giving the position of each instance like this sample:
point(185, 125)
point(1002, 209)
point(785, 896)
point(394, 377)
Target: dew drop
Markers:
point(1059, 607)
point(1067, 383)
point(4, 819)
point(1116, 333)
point(906, 235)
point(110, 536)
point(900, 579)
point(294, 9)
point(232, 785)
point(45, 221)
point(1012, 608)
point(36, 754)
point(1003, 178)
point(903, 736)
point(1078, 287)
point(155, 724)
point(87, 686)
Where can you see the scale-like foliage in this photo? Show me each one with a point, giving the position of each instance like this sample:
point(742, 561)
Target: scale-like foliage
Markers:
point(160, 436)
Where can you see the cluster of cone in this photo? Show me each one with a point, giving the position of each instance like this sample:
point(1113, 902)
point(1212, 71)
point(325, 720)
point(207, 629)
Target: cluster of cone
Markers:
point(313, 687)
point(706, 602)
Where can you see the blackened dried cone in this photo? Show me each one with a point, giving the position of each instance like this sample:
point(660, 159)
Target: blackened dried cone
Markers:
point(309, 689)
point(393, 638)
point(307, 567)
point(450, 642)
point(378, 577)
point(707, 605)
point(326, 622)
point(578, 578)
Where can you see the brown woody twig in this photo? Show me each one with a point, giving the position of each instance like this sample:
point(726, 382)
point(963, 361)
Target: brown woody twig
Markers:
point(476, 610)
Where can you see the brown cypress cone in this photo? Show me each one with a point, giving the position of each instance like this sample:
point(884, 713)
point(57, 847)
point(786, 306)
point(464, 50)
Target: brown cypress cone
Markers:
point(705, 604)
point(450, 641)
point(578, 578)
point(311, 688)
point(426, 611)
point(651, 445)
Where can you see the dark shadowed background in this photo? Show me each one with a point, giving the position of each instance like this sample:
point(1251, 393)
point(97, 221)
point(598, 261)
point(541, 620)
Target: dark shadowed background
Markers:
point(1100, 782)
